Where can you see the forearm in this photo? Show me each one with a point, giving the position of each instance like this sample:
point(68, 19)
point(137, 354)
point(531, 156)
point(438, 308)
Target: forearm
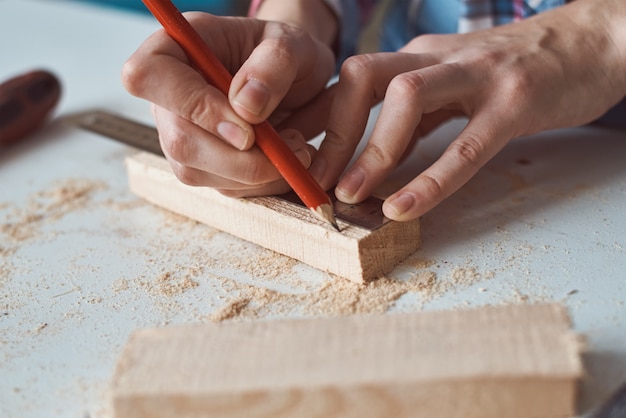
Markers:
point(313, 16)
point(608, 17)
point(618, 27)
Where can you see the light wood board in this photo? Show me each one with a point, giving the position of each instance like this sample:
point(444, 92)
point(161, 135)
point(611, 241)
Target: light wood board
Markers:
point(515, 361)
point(355, 253)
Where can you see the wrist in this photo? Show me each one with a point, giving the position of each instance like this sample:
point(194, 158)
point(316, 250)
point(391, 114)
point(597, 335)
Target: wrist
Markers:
point(609, 18)
point(618, 28)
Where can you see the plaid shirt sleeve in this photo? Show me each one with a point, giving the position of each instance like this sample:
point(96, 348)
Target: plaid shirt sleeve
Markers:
point(354, 15)
point(473, 15)
point(481, 14)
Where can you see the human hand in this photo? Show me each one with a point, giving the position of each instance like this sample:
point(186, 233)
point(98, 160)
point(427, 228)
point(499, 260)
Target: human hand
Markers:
point(561, 68)
point(280, 74)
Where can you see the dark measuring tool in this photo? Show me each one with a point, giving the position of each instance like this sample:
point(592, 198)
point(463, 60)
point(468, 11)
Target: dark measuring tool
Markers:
point(135, 134)
point(368, 214)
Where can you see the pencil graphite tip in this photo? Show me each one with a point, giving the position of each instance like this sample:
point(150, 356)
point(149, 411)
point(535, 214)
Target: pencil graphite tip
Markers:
point(326, 213)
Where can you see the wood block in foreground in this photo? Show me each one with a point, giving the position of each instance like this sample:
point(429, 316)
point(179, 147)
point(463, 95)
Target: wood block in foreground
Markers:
point(357, 254)
point(516, 361)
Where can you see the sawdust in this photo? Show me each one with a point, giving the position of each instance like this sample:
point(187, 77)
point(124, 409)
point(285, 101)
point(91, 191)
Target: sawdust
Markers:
point(267, 265)
point(268, 285)
point(271, 285)
point(417, 263)
point(333, 297)
point(173, 282)
point(459, 278)
point(28, 222)
point(120, 285)
point(168, 284)
point(52, 204)
point(230, 310)
point(115, 204)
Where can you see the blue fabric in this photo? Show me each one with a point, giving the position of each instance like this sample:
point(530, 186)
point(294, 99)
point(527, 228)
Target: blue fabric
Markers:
point(505, 11)
point(432, 16)
point(219, 7)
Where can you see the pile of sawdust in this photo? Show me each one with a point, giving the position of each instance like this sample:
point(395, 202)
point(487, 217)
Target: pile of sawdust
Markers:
point(459, 278)
point(169, 284)
point(334, 297)
point(51, 204)
point(21, 224)
point(269, 285)
point(260, 294)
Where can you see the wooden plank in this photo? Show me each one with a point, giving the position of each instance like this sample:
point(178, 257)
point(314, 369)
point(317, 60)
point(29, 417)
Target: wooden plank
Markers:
point(355, 253)
point(515, 361)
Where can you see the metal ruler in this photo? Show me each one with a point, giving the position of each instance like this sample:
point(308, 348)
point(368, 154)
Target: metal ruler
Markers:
point(135, 134)
point(368, 214)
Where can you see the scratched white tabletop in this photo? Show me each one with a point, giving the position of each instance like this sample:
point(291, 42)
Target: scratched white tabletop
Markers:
point(544, 221)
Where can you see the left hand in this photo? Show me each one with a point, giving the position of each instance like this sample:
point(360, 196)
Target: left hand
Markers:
point(510, 81)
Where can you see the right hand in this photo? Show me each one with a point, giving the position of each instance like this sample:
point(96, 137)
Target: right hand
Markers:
point(280, 75)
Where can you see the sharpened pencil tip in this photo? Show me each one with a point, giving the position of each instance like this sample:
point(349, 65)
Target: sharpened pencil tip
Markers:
point(326, 213)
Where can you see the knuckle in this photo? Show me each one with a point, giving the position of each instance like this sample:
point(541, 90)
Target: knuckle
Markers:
point(425, 42)
point(283, 46)
point(432, 187)
point(199, 108)
point(378, 156)
point(335, 140)
point(357, 73)
point(492, 57)
point(406, 86)
point(134, 76)
point(468, 151)
point(356, 67)
point(519, 84)
point(252, 172)
point(177, 145)
point(186, 175)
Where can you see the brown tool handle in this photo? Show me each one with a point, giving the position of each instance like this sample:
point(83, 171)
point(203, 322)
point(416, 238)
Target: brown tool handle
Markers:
point(25, 103)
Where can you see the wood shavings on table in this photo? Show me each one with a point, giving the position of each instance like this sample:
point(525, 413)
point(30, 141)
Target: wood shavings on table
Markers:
point(267, 285)
point(46, 206)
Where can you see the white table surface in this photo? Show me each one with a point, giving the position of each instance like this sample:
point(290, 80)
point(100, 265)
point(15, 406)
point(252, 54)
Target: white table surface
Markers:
point(544, 221)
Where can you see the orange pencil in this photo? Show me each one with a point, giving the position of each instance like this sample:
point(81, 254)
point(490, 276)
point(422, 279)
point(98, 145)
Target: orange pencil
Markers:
point(268, 140)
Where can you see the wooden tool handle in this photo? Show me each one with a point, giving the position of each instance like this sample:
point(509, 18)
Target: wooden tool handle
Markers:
point(25, 103)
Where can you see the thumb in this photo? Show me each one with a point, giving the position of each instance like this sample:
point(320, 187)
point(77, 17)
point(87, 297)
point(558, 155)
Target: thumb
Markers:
point(286, 64)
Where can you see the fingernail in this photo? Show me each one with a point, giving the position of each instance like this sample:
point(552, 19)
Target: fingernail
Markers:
point(350, 184)
point(253, 96)
point(233, 134)
point(400, 203)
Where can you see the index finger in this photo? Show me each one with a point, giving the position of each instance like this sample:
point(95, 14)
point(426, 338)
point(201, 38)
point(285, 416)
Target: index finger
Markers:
point(363, 81)
point(483, 137)
point(160, 72)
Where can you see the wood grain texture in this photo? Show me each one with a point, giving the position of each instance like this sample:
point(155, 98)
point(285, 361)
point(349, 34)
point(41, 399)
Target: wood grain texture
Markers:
point(357, 254)
point(516, 361)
